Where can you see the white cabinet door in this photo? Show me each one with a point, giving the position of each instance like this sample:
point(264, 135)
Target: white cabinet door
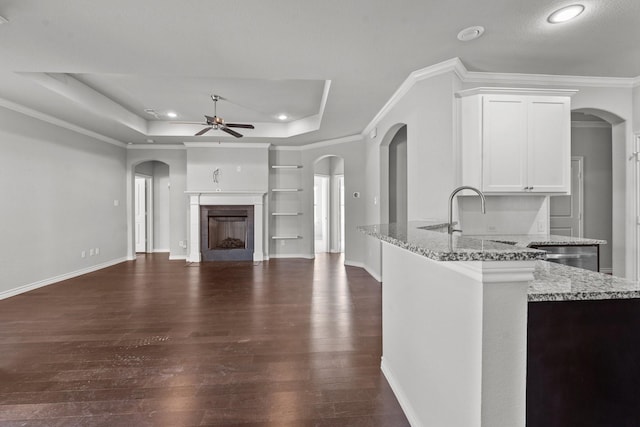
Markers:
point(549, 145)
point(504, 136)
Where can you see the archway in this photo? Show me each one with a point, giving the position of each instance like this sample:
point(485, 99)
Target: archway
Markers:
point(599, 137)
point(151, 207)
point(393, 175)
point(329, 204)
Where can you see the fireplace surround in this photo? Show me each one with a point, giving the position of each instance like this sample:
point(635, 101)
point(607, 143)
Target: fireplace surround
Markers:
point(228, 200)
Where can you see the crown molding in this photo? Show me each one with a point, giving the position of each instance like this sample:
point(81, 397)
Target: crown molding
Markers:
point(547, 79)
point(227, 144)
point(515, 91)
point(156, 147)
point(320, 144)
point(456, 66)
point(59, 123)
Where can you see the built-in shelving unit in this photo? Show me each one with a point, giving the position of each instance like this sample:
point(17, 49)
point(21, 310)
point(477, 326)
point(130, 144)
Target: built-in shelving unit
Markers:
point(285, 205)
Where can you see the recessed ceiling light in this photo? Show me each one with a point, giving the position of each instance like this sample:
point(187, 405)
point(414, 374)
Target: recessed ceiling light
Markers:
point(172, 114)
point(150, 141)
point(565, 14)
point(470, 33)
point(283, 117)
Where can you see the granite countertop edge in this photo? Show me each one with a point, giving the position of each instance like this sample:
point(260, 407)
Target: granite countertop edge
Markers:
point(432, 241)
point(552, 281)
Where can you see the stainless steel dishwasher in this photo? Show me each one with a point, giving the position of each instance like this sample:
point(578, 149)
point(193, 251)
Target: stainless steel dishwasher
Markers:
point(581, 256)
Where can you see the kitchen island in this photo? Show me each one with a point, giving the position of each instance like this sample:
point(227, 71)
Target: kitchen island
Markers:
point(455, 323)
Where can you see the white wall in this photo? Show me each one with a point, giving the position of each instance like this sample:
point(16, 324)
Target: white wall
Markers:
point(175, 157)
point(58, 190)
point(243, 167)
point(428, 110)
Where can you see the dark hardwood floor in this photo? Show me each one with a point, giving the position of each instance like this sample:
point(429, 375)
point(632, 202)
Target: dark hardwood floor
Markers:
point(164, 343)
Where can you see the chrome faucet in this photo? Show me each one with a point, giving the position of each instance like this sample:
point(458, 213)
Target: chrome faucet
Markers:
point(450, 228)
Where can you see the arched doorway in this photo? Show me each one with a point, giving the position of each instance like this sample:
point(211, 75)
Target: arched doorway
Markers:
point(328, 204)
point(151, 207)
point(393, 175)
point(598, 139)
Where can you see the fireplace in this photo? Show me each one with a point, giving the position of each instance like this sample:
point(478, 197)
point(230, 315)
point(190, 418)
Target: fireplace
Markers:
point(227, 232)
point(233, 200)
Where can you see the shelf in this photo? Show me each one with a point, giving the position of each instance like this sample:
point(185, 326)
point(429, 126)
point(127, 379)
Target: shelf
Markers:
point(286, 166)
point(285, 237)
point(286, 213)
point(286, 190)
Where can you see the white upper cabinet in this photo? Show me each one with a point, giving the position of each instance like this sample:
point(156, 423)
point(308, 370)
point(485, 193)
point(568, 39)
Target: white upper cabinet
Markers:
point(516, 140)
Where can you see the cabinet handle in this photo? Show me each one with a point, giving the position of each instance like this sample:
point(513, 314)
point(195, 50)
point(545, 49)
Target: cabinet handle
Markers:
point(526, 188)
point(530, 188)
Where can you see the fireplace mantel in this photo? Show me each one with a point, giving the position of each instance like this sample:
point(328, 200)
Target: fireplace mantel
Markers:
point(209, 197)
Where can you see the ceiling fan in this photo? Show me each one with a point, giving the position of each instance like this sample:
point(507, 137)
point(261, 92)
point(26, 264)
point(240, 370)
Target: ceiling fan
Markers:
point(216, 122)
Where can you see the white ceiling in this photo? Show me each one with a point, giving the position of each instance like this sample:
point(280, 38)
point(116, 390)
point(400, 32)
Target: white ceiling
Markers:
point(330, 65)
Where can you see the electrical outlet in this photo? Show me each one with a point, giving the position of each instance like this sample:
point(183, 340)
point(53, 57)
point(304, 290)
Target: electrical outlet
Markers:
point(97, 251)
point(83, 254)
point(91, 252)
point(116, 203)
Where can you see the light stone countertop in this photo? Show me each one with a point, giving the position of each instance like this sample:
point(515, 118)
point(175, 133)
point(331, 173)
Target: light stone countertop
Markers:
point(528, 240)
point(557, 282)
point(430, 239)
point(552, 281)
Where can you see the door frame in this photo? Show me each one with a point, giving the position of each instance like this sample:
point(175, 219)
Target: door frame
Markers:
point(635, 155)
point(580, 160)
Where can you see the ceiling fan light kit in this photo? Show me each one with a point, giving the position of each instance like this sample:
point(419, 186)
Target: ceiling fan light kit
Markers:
point(218, 123)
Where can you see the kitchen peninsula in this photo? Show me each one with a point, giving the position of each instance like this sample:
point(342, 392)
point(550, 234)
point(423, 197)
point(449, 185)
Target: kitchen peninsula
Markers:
point(455, 323)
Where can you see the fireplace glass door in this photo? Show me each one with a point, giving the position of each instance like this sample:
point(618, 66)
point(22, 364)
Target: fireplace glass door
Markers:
point(228, 231)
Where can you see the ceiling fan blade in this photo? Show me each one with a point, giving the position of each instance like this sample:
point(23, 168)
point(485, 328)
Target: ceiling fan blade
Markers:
point(203, 131)
point(231, 132)
point(239, 125)
point(189, 123)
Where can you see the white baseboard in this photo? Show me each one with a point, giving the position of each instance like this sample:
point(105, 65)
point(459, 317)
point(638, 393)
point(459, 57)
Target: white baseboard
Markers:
point(365, 267)
point(155, 251)
point(305, 256)
point(41, 283)
point(177, 257)
point(402, 399)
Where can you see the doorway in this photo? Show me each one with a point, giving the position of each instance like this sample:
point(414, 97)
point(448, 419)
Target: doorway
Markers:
point(142, 205)
point(398, 177)
point(151, 207)
point(329, 205)
point(592, 140)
